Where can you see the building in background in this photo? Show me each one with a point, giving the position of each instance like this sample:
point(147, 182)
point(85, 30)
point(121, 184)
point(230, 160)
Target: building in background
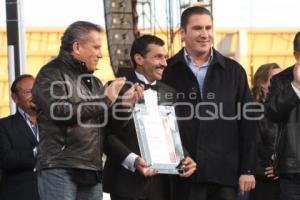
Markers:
point(239, 31)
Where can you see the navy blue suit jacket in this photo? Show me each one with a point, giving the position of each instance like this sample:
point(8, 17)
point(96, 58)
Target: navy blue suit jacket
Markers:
point(17, 162)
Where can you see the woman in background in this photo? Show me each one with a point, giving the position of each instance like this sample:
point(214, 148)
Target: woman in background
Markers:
point(267, 185)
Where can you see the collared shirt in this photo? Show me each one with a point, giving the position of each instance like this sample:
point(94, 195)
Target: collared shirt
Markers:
point(142, 78)
point(150, 96)
point(296, 90)
point(151, 102)
point(34, 128)
point(198, 71)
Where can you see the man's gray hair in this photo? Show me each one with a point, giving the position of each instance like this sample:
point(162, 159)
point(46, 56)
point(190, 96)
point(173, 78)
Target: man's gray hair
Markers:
point(77, 32)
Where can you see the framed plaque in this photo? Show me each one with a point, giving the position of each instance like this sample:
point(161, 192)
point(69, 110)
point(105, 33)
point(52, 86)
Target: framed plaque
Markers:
point(158, 137)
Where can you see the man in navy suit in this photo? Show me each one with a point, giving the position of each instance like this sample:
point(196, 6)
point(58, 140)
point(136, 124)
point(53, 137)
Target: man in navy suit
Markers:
point(18, 141)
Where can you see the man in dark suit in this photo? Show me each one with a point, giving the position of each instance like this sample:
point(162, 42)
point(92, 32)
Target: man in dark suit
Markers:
point(126, 174)
point(18, 141)
point(216, 132)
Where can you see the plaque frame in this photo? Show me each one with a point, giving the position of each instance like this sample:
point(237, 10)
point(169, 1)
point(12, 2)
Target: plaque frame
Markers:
point(171, 137)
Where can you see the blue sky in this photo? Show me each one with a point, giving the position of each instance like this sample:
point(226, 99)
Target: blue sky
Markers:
point(227, 13)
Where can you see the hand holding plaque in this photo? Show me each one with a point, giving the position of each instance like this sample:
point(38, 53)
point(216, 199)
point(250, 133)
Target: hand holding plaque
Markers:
point(141, 165)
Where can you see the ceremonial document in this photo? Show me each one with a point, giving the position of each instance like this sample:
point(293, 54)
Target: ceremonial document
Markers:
point(158, 137)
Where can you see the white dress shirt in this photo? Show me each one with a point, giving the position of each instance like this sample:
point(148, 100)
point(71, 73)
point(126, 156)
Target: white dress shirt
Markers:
point(151, 102)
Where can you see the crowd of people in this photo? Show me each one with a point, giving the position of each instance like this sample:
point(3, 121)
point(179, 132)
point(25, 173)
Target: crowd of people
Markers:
point(237, 142)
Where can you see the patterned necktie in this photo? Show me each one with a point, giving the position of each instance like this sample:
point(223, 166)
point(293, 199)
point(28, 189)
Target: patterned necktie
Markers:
point(34, 128)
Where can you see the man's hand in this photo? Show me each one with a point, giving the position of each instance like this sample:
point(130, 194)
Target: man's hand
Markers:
point(246, 183)
point(296, 74)
point(113, 89)
point(189, 166)
point(132, 96)
point(269, 172)
point(142, 167)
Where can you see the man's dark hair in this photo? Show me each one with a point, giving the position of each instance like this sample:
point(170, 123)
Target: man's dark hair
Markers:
point(297, 42)
point(14, 85)
point(195, 10)
point(77, 32)
point(140, 46)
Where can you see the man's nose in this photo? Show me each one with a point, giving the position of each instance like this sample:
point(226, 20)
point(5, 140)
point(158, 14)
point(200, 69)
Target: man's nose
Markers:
point(100, 55)
point(164, 62)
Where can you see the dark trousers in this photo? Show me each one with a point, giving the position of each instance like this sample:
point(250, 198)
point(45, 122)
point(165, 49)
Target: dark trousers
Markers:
point(290, 187)
point(184, 190)
point(265, 189)
point(157, 189)
point(244, 196)
point(115, 197)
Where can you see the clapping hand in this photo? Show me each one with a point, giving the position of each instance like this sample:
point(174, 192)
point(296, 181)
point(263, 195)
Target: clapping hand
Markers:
point(113, 89)
point(132, 95)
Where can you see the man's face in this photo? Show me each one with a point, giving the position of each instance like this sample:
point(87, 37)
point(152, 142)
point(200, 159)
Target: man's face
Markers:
point(23, 96)
point(153, 63)
point(89, 51)
point(198, 34)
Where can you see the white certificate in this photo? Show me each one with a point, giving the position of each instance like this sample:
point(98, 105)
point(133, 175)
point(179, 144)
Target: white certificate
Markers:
point(158, 137)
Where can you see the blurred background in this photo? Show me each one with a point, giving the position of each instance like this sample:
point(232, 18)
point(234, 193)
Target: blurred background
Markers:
point(253, 32)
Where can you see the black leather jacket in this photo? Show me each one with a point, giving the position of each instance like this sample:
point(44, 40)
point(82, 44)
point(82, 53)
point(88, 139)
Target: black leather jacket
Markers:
point(282, 106)
point(70, 105)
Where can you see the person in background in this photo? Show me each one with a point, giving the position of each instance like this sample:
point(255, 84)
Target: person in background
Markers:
point(282, 107)
point(267, 185)
point(216, 136)
point(18, 140)
point(126, 174)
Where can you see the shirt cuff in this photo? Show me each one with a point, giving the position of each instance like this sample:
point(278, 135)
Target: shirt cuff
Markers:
point(247, 172)
point(296, 90)
point(128, 162)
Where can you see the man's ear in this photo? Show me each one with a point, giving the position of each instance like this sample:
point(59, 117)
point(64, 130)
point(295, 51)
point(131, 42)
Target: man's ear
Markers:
point(182, 33)
point(14, 97)
point(138, 59)
point(297, 56)
point(76, 47)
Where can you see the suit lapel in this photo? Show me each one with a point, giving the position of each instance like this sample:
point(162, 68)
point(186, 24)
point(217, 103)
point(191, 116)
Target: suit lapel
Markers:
point(160, 93)
point(23, 128)
point(165, 96)
point(133, 78)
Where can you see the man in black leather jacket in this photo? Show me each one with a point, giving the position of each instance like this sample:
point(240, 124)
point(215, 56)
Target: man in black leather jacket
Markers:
point(72, 109)
point(282, 106)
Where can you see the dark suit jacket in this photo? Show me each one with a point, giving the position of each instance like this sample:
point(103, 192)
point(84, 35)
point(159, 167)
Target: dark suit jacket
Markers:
point(222, 148)
point(120, 142)
point(16, 159)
